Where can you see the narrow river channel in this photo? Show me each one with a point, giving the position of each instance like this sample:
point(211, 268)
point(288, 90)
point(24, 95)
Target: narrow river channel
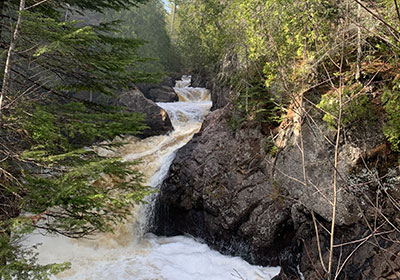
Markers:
point(130, 253)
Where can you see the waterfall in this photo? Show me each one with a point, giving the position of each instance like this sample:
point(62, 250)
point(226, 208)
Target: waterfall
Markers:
point(129, 253)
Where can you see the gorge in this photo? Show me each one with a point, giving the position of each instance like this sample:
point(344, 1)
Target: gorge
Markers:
point(128, 253)
point(281, 160)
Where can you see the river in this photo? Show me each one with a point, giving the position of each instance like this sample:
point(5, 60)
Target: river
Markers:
point(131, 253)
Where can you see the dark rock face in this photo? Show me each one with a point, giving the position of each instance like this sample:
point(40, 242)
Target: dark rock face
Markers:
point(199, 81)
point(163, 92)
point(134, 101)
point(156, 118)
point(168, 81)
point(219, 188)
point(370, 258)
point(220, 95)
point(225, 188)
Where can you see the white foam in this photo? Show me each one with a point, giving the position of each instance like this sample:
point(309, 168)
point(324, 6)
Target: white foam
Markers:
point(126, 254)
point(169, 258)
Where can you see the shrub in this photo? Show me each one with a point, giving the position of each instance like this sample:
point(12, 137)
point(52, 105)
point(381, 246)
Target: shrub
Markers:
point(391, 99)
point(356, 107)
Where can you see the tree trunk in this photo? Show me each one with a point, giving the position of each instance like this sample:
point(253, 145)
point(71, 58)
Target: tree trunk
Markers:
point(173, 18)
point(2, 2)
point(2, 5)
point(11, 48)
point(359, 50)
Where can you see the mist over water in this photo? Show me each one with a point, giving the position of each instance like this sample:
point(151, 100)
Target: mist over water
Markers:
point(131, 254)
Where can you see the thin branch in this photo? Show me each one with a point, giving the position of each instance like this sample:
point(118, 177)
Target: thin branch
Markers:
point(335, 172)
point(37, 4)
point(378, 18)
point(397, 9)
point(7, 68)
point(318, 241)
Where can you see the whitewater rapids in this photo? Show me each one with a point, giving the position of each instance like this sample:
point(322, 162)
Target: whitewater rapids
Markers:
point(129, 254)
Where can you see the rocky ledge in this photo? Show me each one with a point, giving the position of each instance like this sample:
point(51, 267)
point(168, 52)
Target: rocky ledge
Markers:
point(156, 118)
point(219, 189)
point(134, 100)
point(163, 92)
point(227, 188)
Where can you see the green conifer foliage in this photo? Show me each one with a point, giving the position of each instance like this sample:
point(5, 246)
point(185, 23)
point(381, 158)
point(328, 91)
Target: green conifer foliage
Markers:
point(78, 58)
point(62, 185)
point(147, 22)
point(48, 171)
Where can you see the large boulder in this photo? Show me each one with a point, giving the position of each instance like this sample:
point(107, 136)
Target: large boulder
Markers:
point(134, 101)
point(219, 188)
point(163, 92)
point(156, 118)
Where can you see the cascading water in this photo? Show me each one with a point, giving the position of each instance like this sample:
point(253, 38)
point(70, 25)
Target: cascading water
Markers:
point(128, 254)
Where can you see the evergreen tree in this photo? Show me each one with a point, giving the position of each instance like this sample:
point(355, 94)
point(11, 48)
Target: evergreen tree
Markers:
point(47, 170)
point(148, 22)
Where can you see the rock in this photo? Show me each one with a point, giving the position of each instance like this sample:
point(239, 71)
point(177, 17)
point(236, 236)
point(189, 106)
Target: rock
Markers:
point(219, 189)
point(198, 81)
point(358, 193)
point(317, 194)
point(134, 101)
point(318, 143)
point(156, 118)
point(168, 81)
point(220, 95)
point(98, 98)
point(163, 92)
point(225, 188)
point(146, 87)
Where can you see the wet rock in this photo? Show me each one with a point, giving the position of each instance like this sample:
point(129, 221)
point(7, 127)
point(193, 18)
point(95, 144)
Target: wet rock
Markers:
point(156, 118)
point(162, 92)
point(219, 189)
point(134, 101)
point(224, 187)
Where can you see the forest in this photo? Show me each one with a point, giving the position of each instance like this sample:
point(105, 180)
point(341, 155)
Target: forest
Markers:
point(319, 79)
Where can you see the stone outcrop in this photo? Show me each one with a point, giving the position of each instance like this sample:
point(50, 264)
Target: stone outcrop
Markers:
point(156, 118)
point(316, 193)
point(220, 95)
point(134, 101)
point(226, 188)
point(219, 188)
point(163, 92)
point(307, 151)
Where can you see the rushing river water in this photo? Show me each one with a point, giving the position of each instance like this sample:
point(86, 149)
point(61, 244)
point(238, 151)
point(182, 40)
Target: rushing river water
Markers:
point(131, 254)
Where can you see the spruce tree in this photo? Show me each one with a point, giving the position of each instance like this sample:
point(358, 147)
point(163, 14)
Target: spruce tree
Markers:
point(47, 170)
